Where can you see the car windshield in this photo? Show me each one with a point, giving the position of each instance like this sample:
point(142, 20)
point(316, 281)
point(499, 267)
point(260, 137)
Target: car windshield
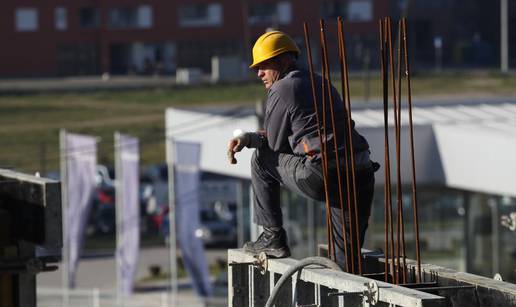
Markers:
point(210, 216)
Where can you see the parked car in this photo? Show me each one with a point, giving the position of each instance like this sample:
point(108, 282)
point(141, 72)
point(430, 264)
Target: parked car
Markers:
point(216, 230)
point(102, 219)
point(213, 229)
point(102, 215)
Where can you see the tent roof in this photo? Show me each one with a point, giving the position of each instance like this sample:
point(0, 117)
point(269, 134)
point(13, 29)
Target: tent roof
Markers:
point(465, 146)
point(213, 130)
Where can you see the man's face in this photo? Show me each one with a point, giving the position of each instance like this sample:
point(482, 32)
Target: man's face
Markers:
point(268, 71)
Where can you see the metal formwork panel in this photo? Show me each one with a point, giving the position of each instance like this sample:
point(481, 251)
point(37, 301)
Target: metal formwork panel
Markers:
point(331, 281)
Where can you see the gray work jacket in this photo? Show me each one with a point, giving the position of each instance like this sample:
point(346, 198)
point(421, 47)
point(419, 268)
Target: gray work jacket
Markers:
point(290, 120)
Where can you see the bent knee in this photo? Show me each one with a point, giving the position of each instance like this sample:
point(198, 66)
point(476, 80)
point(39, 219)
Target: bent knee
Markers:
point(255, 163)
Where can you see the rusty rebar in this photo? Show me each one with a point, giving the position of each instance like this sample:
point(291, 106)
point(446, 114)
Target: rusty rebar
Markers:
point(391, 218)
point(398, 159)
point(394, 249)
point(334, 130)
point(335, 138)
point(345, 92)
point(394, 97)
point(387, 184)
point(317, 118)
point(411, 140)
point(324, 136)
point(349, 147)
point(386, 228)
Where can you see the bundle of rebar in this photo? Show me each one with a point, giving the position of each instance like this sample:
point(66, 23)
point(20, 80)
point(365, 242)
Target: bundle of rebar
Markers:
point(395, 247)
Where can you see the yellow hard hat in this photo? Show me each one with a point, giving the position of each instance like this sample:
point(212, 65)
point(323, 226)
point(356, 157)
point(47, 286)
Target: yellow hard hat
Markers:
point(272, 44)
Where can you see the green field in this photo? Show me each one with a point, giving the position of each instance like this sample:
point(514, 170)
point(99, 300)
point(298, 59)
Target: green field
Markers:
point(31, 123)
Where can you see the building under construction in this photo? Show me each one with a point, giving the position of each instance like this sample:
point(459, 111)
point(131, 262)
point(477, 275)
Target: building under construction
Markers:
point(386, 277)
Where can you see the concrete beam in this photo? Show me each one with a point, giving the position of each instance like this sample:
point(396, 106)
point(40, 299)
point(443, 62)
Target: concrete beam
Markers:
point(487, 291)
point(344, 282)
point(35, 204)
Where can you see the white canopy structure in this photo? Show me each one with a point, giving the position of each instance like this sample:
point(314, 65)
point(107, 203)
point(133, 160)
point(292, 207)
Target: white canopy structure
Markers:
point(213, 130)
point(468, 146)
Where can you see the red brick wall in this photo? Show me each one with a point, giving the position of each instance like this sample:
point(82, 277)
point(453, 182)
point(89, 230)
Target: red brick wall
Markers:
point(35, 53)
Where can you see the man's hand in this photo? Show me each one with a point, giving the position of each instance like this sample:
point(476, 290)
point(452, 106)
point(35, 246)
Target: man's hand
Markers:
point(236, 144)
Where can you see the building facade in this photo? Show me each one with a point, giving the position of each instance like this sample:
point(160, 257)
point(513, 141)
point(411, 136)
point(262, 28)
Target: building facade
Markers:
point(88, 37)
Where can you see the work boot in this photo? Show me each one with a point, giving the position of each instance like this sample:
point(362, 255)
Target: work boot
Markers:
point(272, 242)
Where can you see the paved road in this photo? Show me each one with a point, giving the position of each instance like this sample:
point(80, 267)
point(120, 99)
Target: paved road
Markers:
point(100, 272)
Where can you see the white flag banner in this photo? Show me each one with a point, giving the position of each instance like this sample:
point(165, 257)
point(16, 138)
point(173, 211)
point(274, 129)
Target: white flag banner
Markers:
point(80, 154)
point(187, 186)
point(128, 210)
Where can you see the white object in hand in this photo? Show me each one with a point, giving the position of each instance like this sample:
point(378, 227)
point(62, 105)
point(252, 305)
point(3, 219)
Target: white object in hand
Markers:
point(237, 132)
point(509, 221)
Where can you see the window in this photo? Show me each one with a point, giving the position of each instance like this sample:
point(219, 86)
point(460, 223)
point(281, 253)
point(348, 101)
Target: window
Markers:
point(261, 13)
point(333, 9)
point(130, 17)
point(122, 18)
point(26, 19)
point(60, 18)
point(435, 4)
point(280, 13)
point(284, 11)
point(360, 10)
point(89, 17)
point(199, 15)
point(145, 20)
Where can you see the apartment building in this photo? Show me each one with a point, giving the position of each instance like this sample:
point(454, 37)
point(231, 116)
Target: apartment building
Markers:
point(88, 37)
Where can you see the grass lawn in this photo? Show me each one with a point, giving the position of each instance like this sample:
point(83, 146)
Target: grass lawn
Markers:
point(31, 123)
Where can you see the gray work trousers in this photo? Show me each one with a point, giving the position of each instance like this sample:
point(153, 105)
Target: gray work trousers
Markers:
point(270, 169)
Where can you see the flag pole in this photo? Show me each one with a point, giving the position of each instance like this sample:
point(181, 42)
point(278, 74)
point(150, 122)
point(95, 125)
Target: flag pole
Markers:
point(118, 211)
point(171, 219)
point(64, 216)
point(240, 212)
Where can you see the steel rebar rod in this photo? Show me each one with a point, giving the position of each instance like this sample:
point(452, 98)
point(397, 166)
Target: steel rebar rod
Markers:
point(347, 113)
point(411, 141)
point(394, 97)
point(398, 159)
point(317, 118)
point(323, 144)
point(332, 118)
point(386, 145)
point(388, 166)
point(348, 187)
point(391, 216)
point(346, 160)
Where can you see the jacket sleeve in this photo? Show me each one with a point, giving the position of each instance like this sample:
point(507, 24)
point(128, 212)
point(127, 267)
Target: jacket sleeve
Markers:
point(277, 123)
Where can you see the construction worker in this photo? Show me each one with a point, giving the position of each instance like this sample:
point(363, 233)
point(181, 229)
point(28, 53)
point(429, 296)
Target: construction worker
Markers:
point(288, 151)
